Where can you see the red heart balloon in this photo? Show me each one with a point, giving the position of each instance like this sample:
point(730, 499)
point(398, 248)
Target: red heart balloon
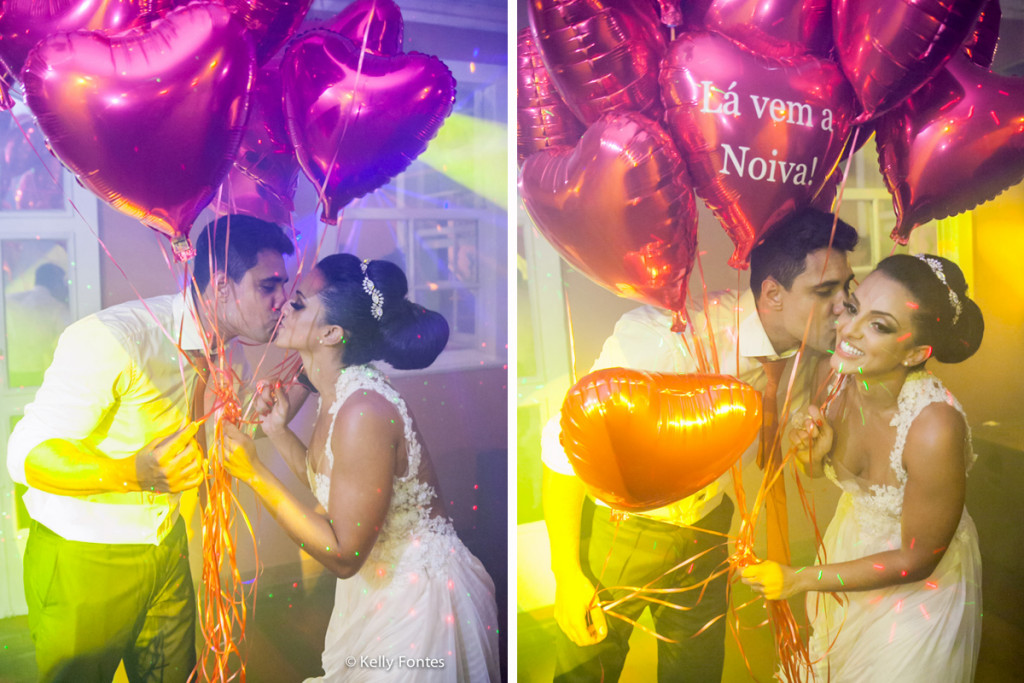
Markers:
point(357, 120)
point(377, 23)
point(618, 207)
point(890, 48)
point(543, 120)
point(264, 176)
point(642, 440)
point(270, 22)
point(775, 28)
point(148, 119)
point(602, 55)
point(24, 23)
point(954, 144)
point(760, 137)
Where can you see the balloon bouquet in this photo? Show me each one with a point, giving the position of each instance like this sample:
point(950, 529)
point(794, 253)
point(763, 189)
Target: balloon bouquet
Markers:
point(628, 109)
point(162, 107)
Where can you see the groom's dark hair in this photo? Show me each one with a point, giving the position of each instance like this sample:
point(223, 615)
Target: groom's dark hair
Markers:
point(232, 243)
point(782, 254)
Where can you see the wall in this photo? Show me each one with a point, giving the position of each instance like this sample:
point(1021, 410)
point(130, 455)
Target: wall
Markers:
point(982, 383)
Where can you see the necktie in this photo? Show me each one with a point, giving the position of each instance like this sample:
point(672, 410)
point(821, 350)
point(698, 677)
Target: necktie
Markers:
point(769, 458)
point(198, 408)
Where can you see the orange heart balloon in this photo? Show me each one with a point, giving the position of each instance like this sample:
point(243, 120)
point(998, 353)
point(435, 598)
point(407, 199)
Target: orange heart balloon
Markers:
point(641, 440)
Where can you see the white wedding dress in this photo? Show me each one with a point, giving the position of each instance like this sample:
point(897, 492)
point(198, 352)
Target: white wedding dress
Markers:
point(422, 607)
point(928, 631)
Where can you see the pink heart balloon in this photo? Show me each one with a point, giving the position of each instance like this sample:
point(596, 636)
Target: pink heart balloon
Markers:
point(543, 120)
point(981, 43)
point(270, 22)
point(954, 144)
point(356, 121)
point(890, 48)
point(378, 23)
point(618, 207)
point(775, 28)
point(24, 23)
point(602, 55)
point(142, 117)
point(265, 173)
point(760, 137)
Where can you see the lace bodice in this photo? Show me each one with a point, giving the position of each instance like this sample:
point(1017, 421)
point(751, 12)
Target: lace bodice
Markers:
point(410, 540)
point(880, 507)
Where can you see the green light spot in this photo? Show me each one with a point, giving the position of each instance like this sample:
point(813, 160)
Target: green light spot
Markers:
point(840, 579)
point(819, 574)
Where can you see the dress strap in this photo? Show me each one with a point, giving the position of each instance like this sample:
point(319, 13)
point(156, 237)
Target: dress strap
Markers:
point(921, 389)
point(367, 378)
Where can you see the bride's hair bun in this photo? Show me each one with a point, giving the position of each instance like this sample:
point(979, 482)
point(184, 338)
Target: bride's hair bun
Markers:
point(946, 319)
point(402, 333)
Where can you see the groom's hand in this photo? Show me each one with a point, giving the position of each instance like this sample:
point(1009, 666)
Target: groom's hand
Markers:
point(576, 613)
point(171, 464)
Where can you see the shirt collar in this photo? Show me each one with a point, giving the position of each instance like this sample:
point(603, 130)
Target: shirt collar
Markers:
point(186, 322)
point(754, 341)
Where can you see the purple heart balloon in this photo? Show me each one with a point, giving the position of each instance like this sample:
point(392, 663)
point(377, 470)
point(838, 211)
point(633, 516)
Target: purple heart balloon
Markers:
point(378, 23)
point(356, 121)
point(264, 176)
point(24, 23)
point(142, 117)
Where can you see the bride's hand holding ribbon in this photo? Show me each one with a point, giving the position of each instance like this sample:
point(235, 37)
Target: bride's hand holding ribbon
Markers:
point(810, 439)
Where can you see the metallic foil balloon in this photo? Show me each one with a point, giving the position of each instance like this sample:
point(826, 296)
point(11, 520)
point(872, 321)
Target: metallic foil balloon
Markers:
point(641, 440)
point(149, 119)
point(602, 55)
point(265, 173)
point(542, 119)
point(775, 28)
point(954, 144)
point(890, 48)
point(377, 22)
point(356, 121)
point(24, 23)
point(270, 22)
point(760, 137)
point(981, 43)
point(618, 207)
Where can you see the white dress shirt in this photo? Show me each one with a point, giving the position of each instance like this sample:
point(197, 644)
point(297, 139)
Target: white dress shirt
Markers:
point(643, 340)
point(117, 382)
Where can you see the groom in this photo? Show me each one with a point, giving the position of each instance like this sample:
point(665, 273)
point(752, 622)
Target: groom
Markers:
point(106, 450)
point(799, 278)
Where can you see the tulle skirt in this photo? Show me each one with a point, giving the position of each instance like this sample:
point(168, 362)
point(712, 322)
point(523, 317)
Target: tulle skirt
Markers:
point(924, 632)
point(438, 627)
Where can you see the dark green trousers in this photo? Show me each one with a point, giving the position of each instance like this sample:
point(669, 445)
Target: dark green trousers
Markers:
point(90, 605)
point(637, 551)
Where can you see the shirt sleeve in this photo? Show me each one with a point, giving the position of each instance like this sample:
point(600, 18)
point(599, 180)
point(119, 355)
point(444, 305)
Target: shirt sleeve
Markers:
point(91, 368)
point(642, 340)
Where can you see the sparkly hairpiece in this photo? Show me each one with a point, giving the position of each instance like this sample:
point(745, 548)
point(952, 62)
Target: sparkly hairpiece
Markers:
point(954, 300)
point(376, 298)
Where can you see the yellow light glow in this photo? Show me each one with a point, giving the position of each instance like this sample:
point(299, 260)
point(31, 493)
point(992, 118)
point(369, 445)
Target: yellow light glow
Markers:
point(473, 153)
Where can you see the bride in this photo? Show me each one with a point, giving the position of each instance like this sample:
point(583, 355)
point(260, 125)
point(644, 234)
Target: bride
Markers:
point(412, 603)
point(897, 593)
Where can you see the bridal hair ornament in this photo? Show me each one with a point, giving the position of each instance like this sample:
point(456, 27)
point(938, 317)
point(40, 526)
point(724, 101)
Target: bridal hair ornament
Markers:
point(376, 298)
point(954, 300)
